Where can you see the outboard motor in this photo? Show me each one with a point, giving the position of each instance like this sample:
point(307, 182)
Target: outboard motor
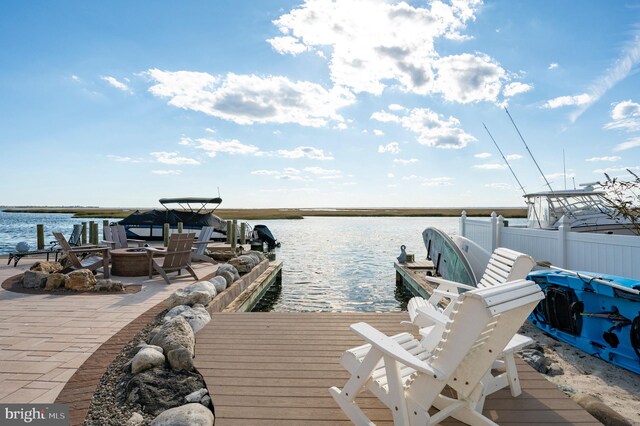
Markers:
point(264, 234)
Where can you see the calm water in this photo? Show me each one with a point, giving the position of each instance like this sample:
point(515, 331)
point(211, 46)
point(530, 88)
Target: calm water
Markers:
point(17, 227)
point(330, 264)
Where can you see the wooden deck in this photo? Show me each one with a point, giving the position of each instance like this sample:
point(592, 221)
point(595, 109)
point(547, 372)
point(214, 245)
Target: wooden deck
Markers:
point(275, 369)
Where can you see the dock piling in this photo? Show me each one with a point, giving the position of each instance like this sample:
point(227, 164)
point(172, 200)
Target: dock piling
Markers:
point(165, 234)
point(234, 238)
point(180, 227)
point(84, 232)
point(40, 236)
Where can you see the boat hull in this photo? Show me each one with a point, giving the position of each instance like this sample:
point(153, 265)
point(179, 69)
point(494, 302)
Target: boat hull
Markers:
point(592, 316)
point(448, 259)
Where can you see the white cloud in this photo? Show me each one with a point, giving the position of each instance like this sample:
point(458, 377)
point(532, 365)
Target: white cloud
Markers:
point(609, 158)
point(552, 66)
point(390, 175)
point(125, 159)
point(233, 147)
point(265, 172)
point(393, 147)
point(559, 175)
point(117, 84)
point(611, 170)
point(402, 161)
point(410, 177)
point(167, 172)
point(75, 77)
point(396, 107)
point(628, 144)
point(249, 99)
point(498, 185)
point(378, 132)
point(306, 174)
point(394, 45)
point(516, 88)
point(437, 181)
point(173, 158)
point(563, 101)
point(184, 141)
point(626, 116)
point(483, 155)
point(287, 44)
point(432, 129)
point(512, 157)
point(299, 152)
point(321, 171)
point(490, 166)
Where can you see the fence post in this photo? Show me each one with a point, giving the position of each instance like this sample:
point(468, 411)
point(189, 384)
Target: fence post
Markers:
point(40, 236)
point(563, 229)
point(494, 232)
point(462, 229)
point(499, 229)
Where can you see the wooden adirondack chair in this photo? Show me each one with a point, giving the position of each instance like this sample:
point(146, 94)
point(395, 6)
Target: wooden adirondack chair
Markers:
point(200, 246)
point(177, 256)
point(91, 263)
point(504, 265)
point(409, 379)
point(116, 237)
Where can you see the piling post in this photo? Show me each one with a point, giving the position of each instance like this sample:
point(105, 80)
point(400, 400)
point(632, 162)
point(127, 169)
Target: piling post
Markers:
point(494, 231)
point(229, 223)
point(165, 234)
point(91, 231)
point(94, 233)
point(180, 227)
point(84, 232)
point(234, 238)
point(243, 233)
point(463, 224)
point(40, 236)
point(105, 224)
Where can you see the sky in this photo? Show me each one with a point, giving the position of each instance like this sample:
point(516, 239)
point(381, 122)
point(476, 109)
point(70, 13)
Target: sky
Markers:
point(317, 103)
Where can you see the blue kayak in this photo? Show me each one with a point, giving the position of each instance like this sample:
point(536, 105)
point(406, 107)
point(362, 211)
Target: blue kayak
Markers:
point(600, 319)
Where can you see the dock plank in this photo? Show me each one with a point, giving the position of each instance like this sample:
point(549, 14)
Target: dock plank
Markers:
point(276, 368)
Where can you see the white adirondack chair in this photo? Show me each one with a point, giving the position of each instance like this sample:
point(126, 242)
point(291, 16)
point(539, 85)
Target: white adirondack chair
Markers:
point(409, 379)
point(504, 265)
point(199, 247)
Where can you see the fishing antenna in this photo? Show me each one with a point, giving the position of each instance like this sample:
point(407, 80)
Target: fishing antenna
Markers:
point(564, 170)
point(528, 150)
point(505, 159)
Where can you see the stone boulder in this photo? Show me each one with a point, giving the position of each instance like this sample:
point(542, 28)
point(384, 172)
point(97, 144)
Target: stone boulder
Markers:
point(180, 359)
point(243, 263)
point(202, 286)
point(187, 415)
point(34, 279)
point(253, 256)
point(258, 254)
point(159, 389)
point(173, 334)
point(228, 268)
point(185, 297)
point(55, 281)
point(46, 266)
point(108, 285)
point(80, 280)
point(196, 316)
point(135, 420)
point(145, 359)
point(219, 283)
point(227, 276)
point(196, 396)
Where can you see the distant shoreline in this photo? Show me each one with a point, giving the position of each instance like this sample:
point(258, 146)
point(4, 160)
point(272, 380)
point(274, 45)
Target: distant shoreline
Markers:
point(269, 214)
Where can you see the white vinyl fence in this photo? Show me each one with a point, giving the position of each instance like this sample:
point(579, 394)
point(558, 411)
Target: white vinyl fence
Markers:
point(578, 251)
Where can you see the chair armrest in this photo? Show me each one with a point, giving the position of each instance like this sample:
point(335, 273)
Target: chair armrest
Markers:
point(201, 242)
point(448, 285)
point(88, 249)
point(434, 316)
point(391, 348)
point(140, 243)
point(155, 250)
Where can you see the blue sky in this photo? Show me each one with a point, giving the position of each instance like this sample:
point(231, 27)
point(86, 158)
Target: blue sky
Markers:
point(354, 103)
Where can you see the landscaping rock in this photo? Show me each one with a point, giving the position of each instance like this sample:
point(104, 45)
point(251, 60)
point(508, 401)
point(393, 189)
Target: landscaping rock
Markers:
point(243, 264)
point(202, 286)
point(206, 401)
point(255, 258)
point(228, 268)
point(34, 279)
point(108, 285)
point(173, 334)
point(196, 396)
point(228, 277)
point(55, 281)
point(197, 317)
point(536, 359)
point(158, 389)
point(184, 297)
point(46, 266)
point(181, 359)
point(187, 415)
point(80, 280)
point(259, 254)
point(605, 414)
point(135, 419)
point(145, 359)
point(220, 283)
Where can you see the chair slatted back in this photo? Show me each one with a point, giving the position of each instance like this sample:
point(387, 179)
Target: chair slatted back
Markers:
point(107, 233)
point(505, 265)
point(120, 236)
point(178, 251)
point(481, 325)
point(66, 248)
point(205, 235)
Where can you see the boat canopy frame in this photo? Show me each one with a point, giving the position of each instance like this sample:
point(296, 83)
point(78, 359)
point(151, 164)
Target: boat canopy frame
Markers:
point(187, 201)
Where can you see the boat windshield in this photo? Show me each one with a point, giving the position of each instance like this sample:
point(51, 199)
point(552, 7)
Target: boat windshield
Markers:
point(545, 210)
